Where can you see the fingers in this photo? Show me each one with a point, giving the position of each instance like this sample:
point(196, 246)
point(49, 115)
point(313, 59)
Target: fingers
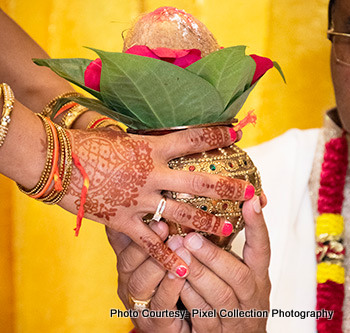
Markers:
point(117, 240)
point(167, 293)
point(263, 199)
point(219, 294)
point(196, 140)
point(256, 252)
point(192, 300)
point(134, 255)
point(154, 246)
point(145, 279)
point(211, 186)
point(236, 274)
point(197, 219)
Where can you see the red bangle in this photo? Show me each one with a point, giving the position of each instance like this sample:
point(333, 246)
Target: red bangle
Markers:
point(97, 122)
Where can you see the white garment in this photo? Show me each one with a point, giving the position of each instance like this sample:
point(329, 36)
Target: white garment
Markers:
point(285, 165)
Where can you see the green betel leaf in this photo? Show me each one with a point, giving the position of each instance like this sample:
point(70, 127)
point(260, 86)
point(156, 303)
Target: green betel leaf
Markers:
point(70, 69)
point(98, 106)
point(229, 70)
point(157, 93)
point(236, 105)
point(278, 67)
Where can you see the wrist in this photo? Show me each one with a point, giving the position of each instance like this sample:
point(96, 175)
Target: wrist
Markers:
point(83, 121)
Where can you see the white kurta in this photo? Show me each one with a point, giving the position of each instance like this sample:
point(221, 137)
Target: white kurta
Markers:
point(290, 167)
point(285, 164)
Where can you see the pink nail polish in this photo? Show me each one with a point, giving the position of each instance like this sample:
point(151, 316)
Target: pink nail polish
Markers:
point(227, 228)
point(233, 134)
point(181, 271)
point(249, 192)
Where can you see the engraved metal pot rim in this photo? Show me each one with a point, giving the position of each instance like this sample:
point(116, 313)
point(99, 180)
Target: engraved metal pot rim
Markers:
point(164, 130)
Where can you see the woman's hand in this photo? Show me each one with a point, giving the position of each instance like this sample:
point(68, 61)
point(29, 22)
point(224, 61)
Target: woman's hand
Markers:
point(128, 172)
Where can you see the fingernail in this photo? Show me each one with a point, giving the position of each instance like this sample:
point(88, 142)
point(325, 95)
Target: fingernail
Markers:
point(175, 242)
point(257, 205)
point(181, 271)
point(227, 228)
point(249, 192)
point(194, 242)
point(171, 276)
point(184, 255)
point(233, 134)
point(155, 227)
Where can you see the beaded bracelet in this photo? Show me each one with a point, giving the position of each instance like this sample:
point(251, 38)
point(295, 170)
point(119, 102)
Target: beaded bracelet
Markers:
point(9, 99)
point(47, 110)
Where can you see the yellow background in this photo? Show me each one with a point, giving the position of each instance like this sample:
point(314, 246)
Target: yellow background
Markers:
point(53, 282)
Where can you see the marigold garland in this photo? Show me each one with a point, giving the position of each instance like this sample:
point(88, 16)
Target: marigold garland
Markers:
point(329, 230)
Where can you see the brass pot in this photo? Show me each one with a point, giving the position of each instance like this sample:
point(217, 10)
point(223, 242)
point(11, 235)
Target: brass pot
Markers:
point(232, 162)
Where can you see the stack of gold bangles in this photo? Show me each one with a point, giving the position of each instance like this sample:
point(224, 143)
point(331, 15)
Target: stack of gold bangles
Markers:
point(55, 178)
point(58, 166)
point(5, 119)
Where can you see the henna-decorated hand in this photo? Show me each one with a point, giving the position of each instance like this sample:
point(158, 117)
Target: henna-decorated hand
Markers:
point(128, 172)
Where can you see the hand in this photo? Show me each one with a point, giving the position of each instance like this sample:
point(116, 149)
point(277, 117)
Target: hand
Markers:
point(142, 277)
point(128, 172)
point(220, 280)
point(217, 280)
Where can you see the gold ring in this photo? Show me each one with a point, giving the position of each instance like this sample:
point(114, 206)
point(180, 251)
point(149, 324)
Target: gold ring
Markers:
point(137, 304)
point(160, 209)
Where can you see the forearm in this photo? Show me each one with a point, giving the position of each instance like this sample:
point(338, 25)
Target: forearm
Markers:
point(23, 154)
point(34, 86)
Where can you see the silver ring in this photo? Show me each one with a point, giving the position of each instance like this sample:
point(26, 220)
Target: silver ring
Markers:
point(160, 209)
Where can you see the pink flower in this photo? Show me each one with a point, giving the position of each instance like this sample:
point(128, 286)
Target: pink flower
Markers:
point(262, 66)
point(92, 74)
point(181, 58)
point(178, 57)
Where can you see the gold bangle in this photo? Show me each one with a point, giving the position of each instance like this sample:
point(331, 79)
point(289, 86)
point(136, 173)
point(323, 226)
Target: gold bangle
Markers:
point(9, 100)
point(48, 165)
point(72, 115)
point(93, 121)
point(106, 122)
point(65, 170)
point(47, 110)
point(65, 167)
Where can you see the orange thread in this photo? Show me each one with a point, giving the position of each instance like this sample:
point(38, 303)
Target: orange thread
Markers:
point(65, 108)
point(54, 169)
point(250, 118)
point(84, 192)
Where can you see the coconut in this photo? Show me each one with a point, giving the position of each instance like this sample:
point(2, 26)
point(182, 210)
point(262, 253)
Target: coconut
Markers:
point(172, 28)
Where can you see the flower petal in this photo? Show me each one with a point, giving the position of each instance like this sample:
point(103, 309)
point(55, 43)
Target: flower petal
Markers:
point(164, 52)
point(262, 66)
point(192, 56)
point(92, 74)
point(142, 50)
point(178, 57)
